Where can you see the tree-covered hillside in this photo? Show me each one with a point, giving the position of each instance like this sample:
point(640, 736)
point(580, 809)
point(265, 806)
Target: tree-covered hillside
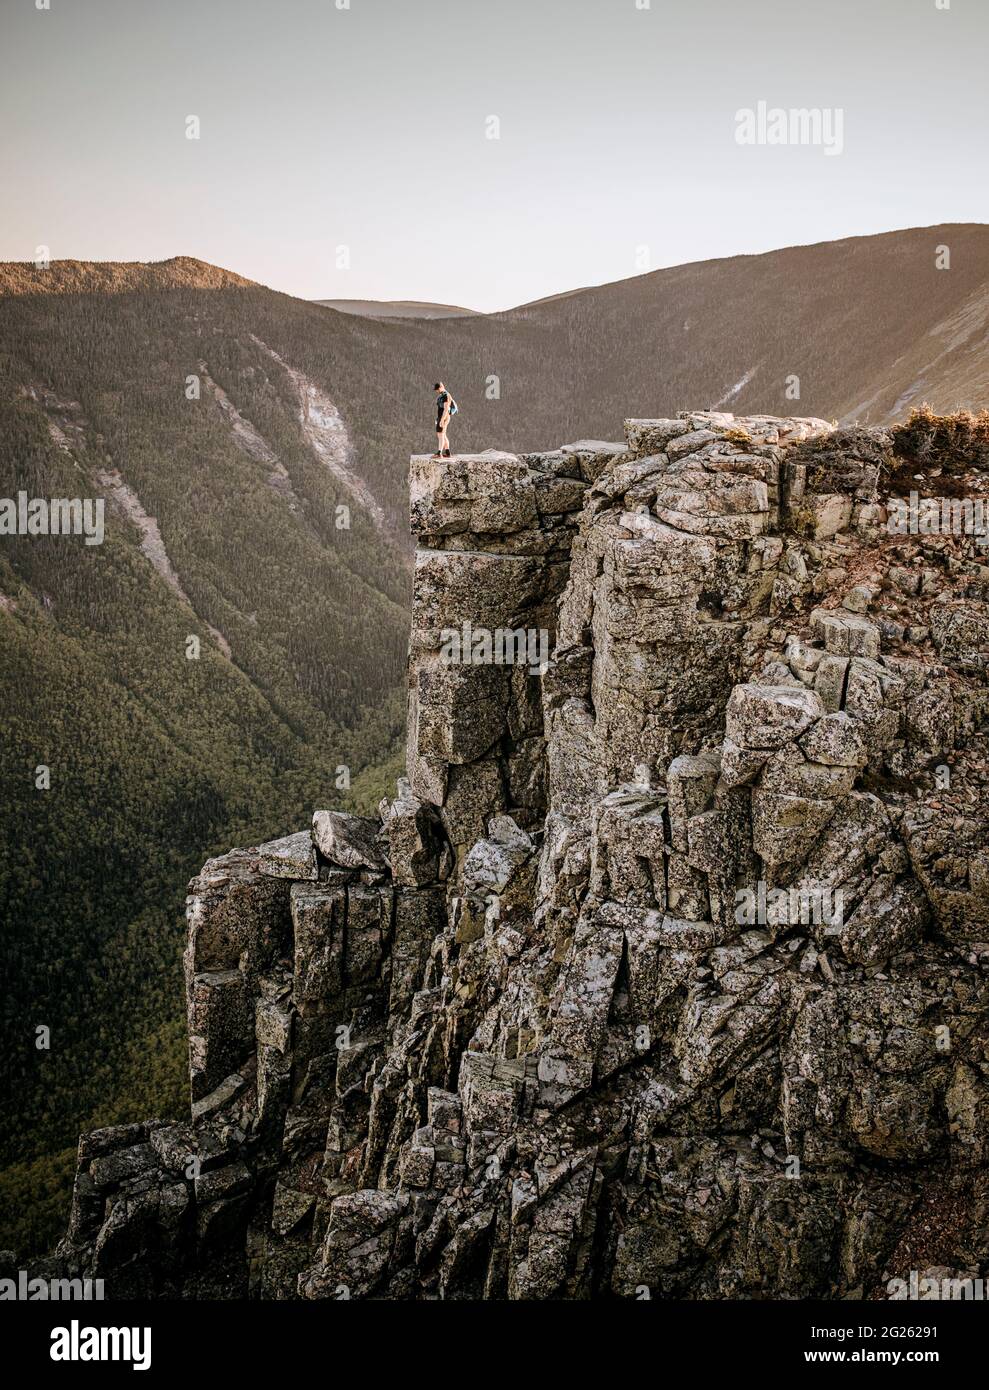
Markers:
point(127, 754)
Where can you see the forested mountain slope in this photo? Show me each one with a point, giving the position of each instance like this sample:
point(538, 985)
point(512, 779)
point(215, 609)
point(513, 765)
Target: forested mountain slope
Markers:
point(223, 523)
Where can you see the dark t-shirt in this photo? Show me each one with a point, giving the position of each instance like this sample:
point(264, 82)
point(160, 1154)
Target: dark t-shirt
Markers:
point(441, 403)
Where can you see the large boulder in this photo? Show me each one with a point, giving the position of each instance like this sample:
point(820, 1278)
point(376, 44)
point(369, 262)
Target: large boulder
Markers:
point(352, 842)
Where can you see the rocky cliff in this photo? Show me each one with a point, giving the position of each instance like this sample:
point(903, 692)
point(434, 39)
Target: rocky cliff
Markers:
point(664, 974)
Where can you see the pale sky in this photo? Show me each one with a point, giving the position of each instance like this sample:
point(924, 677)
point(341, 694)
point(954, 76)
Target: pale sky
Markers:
point(365, 127)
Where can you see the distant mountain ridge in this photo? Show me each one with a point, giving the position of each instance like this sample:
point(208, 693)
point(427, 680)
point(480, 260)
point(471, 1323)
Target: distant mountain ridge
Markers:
point(861, 327)
point(856, 329)
point(397, 308)
point(115, 277)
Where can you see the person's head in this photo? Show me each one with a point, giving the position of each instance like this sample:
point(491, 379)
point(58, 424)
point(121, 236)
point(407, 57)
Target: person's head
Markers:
point(439, 386)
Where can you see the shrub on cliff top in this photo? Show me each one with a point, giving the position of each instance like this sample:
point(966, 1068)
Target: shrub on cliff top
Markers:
point(953, 443)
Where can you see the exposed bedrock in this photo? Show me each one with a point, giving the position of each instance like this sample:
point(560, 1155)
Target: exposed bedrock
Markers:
point(665, 970)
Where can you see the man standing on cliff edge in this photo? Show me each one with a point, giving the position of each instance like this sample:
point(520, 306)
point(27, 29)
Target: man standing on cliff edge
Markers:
point(446, 407)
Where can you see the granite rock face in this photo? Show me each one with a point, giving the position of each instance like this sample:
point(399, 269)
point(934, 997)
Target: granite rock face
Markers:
point(665, 971)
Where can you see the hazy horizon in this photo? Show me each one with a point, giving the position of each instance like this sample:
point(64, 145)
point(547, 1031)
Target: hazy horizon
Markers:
point(367, 128)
